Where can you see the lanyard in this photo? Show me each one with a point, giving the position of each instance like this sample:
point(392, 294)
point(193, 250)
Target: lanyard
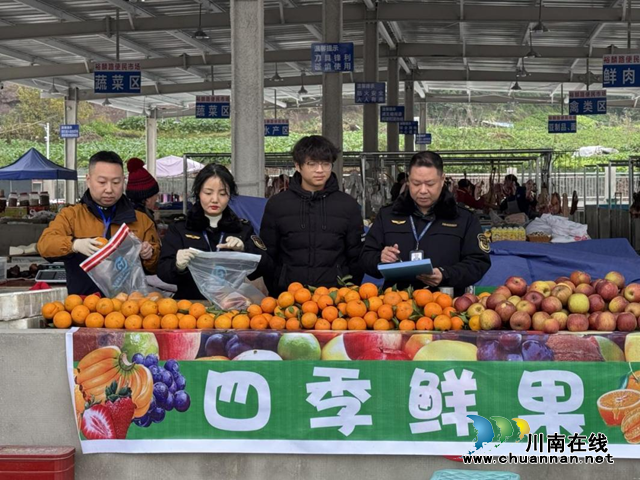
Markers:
point(206, 237)
point(415, 233)
point(107, 223)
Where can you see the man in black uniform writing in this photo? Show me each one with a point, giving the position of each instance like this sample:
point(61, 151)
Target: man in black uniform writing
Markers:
point(425, 222)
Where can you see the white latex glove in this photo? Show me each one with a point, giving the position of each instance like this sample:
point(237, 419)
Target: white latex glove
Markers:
point(183, 257)
point(86, 246)
point(146, 251)
point(232, 243)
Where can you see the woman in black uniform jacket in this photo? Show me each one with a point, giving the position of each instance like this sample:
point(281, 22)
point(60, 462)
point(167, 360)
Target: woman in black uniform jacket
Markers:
point(209, 226)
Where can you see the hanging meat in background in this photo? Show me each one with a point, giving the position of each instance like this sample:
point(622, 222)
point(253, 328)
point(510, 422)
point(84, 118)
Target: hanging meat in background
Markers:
point(574, 203)
point(565, 205)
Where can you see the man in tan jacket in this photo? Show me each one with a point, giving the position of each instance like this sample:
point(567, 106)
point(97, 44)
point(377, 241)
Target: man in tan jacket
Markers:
point(73, 235)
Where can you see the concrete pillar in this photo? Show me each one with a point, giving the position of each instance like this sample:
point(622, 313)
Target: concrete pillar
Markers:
point(408, 112)
point(393, 90)
point(247, 96)
point(422, 124)
point(152, 141)
point(332, 82)
point(370, 130)
point(71, 145)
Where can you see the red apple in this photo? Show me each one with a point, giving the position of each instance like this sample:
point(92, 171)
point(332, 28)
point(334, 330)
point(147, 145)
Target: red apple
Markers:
point(633, 308)
point(516, 285)
point(626, 322)
point(502, 290)
point(384, 354)
point(618, 304)
point(526, 306)
point(550, 326)
point(632, 292)
point(569, 284)
point(475, 309)
point(596, 303)
point(535, 298)
point(562, 279)
point(577, 323)
point(562, 292)
point(578, 303)
point(178, 345)
point(561, 317)
point(616, 278)
point(471, 297)
point(494, 300)
point(506, 310)
point(606, 322)
point(607, 290)
point(540, 287)
point(520, 321)
point(538, 319)
point(586, 289)
point(579, 277)
point(462, 304)
point(357, 343)
point(490, 320)
point(593, 320)
point(551, 305)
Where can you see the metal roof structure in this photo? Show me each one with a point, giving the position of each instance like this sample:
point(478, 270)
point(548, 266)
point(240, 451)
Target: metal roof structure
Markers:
point(473, 47)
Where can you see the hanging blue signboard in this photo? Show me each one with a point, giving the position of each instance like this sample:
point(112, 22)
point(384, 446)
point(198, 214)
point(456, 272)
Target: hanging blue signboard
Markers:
point(371, 92)
point(117, 77)
point(408, 128)
point(332, 57)
point(593, 102)
point(391, 113)
point(621, 71)
point(562, 124)
point(69, 131)
point(276, 127)
point(212, 106)
point(423, 139)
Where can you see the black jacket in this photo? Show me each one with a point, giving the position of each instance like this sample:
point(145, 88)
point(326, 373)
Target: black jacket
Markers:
point(312, 237)
point(454, 241)
point(189, 233)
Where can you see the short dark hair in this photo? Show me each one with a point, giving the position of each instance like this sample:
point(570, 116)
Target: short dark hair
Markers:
point(513, 178)
point(218, 171)
point(106, 157)
point(315, 147)
point(427, 159)
point(464, 183)
point(401, 176)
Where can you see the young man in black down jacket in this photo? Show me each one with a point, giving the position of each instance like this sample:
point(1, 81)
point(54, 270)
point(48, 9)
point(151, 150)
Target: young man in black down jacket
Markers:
point(313, 231)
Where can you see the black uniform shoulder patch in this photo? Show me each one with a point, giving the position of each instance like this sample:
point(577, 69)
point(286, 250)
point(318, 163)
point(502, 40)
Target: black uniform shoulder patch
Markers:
point(483, 243)
point(245, 221)
point(192, 237)
point(398, 222)
point(257, 241)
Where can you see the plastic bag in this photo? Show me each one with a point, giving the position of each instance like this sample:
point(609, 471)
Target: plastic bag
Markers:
point(221, 278)
point(116, 267)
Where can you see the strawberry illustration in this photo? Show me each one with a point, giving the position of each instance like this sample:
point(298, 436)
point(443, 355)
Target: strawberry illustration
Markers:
point(97, 423)
point(121, 408)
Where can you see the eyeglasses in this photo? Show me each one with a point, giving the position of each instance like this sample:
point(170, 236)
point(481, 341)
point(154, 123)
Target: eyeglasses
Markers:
point(314, 165)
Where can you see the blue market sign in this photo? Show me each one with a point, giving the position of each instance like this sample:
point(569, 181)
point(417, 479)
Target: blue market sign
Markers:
point(276, 127)
point(408, 128)
point(371, 92)
point(563, 124)
point(593, 102)
point(117, 77)
point(621, 71)
point(212, 106)
point(423, 139)
point(392, 114)
point(332, 57)
point(69, 131)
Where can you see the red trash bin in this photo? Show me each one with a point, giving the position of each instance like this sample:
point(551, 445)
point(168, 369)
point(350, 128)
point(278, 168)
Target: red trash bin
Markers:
point(36, 463)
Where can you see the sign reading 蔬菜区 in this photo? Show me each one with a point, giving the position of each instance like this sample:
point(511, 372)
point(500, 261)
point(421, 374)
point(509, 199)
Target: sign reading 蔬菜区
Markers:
point(212, 106)
point(276, 127)
point(332, 57)
point(314, 399)
point(592, 102)
point(621, 71)
point(117, 77)
point(562, 124)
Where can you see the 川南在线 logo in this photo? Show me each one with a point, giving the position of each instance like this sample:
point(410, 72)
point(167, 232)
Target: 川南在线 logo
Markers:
point(497, 430)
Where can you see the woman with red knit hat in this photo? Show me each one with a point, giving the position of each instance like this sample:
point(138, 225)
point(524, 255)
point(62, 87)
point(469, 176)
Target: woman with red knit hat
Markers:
point(142, 188)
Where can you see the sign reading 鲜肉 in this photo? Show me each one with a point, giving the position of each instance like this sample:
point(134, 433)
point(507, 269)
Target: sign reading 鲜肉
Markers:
point(332, 57)
point(70, 131)
point(391, 113)
point(370, 92)
point(592, 102)
point(213, 106)
point(276, 127)
point(408, 128)
point(423, 139)
point(621, 71)
point(117, 77)
point(562, 124)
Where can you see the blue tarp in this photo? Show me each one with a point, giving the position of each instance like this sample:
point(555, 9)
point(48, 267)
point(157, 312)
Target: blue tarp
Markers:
point(547, 261)
point(249, 208)
point(35, 166)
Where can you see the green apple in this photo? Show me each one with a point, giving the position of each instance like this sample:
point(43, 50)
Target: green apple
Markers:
point(335, 349)
point(144, 343)
point(299, 346)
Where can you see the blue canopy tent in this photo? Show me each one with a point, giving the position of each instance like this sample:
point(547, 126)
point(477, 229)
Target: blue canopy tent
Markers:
point(35, 166)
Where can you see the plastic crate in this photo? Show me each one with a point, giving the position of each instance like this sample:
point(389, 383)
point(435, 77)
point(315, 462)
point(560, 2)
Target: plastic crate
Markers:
point(37, 463)
point(473, 475)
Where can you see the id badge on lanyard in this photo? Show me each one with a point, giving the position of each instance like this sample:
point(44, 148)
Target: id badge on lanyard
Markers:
point(417, 254)
point(106, 222)
point(206, 238)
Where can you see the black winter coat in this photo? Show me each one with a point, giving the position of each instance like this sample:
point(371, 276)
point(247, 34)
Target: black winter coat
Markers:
point(454, 241)
point(189, 233)
point(312, 237)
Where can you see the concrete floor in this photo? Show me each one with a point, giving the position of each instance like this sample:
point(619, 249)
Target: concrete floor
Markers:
point(36, 410)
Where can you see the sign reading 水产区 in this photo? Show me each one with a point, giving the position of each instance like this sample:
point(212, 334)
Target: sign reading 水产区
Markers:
point(408, 128)
point(562, 124)
point(423, 139)
point(392, 113)
point(70, 131)
point(213, 106)
point(621, 71)
point(592, 102)
point(276, 127)
point(117, 77)
point(332, 57)
point(317, 401)
point(370, 92)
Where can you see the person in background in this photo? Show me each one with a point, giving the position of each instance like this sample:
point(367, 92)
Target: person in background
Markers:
point(397, 187)
point(426, 223)
point(515, 196)
point(142, 188)
point(210, 226)
point(313, 231)
point(73, 235)
point(465, 194)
